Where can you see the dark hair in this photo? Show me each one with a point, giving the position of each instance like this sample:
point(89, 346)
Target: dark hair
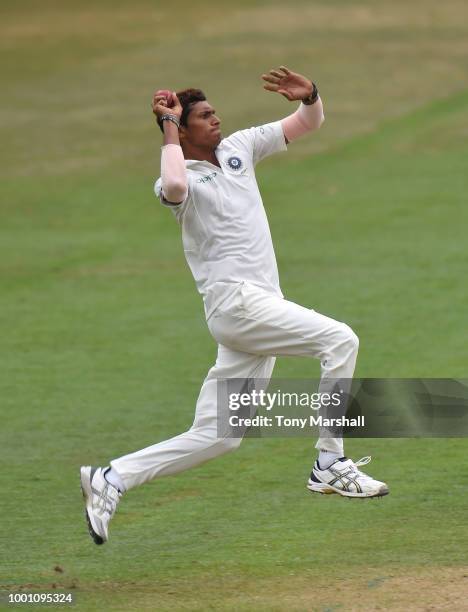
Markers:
point(187, 98)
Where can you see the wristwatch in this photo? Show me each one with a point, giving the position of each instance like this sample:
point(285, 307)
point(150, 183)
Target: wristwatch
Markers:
point(312, 99)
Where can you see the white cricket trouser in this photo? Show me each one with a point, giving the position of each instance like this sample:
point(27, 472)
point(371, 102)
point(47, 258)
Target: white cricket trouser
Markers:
point(252, 327)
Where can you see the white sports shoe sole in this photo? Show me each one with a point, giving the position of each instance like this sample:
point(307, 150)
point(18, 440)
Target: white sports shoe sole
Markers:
point(325, 489)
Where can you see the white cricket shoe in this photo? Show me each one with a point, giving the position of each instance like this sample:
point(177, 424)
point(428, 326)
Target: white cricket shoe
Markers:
point(101, 500)
point(344, 478)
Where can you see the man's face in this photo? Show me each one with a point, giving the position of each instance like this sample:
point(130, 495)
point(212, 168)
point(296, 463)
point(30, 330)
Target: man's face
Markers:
point(203, 126)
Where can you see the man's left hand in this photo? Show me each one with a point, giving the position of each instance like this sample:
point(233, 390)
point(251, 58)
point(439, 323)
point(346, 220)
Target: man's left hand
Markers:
point(291, 85)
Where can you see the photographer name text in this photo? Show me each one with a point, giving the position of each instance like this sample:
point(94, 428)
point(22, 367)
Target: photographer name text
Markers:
point(279, 420)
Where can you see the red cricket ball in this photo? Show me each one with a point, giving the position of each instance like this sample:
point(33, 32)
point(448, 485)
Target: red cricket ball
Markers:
point(168, 95)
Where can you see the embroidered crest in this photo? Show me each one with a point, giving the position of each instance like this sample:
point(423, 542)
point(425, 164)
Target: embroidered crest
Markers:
point(234, 163)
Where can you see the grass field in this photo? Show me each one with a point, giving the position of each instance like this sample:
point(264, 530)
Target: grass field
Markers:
point(104, 343)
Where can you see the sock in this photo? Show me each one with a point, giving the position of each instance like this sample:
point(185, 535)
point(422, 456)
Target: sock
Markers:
point(114, 479)
point(326, 458)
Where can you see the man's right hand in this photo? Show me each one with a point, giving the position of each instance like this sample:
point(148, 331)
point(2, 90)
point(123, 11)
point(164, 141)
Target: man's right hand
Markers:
point(161, 105)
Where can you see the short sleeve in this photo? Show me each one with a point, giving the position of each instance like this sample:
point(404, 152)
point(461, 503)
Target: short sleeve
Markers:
point(160, 194)
point(263, 140)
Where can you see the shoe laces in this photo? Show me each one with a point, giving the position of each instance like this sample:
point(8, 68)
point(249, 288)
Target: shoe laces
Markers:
point(359, 463)
point(363, 461)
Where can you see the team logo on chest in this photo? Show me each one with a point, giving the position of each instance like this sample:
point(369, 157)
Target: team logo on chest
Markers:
point(234, 162)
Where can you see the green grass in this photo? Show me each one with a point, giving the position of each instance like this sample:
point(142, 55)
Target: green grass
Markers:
point(103, 339)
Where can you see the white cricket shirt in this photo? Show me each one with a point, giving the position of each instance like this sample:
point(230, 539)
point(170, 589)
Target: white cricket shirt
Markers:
point(225, 231)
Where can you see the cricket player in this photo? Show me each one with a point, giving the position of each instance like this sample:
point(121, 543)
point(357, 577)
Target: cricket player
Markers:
point(209, 184)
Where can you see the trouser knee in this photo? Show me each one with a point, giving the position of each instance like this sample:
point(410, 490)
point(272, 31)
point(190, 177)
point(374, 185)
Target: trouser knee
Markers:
point(230, 444)
point(343, 346)
point(214, 443)
point(349, 339)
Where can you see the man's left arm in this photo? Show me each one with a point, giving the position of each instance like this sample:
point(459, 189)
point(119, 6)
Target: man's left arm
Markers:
point(293, 86)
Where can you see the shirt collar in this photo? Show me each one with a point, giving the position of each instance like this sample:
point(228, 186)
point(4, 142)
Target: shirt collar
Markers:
point(189, 163)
